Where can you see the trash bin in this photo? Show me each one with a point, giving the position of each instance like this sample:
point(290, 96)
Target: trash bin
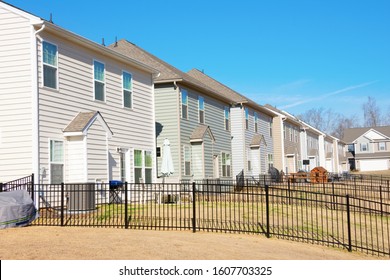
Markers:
point(318, 175)
point(81, 197)
point(115, 189)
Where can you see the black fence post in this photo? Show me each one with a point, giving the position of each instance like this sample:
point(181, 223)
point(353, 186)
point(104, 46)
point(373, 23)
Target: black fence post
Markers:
point(333, 198)
point(126, 208)
point(349, 225)
point(267, 209)
point(193, 207)
point(381, 198)
point(62, 203)
point(32, 186)
point(1, 187)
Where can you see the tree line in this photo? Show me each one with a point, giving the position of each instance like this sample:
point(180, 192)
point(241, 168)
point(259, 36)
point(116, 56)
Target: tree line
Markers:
point(334, 123)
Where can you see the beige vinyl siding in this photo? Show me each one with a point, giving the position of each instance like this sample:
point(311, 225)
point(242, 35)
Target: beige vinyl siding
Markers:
point(167, 117)
point(131, 128)
point(15, 96)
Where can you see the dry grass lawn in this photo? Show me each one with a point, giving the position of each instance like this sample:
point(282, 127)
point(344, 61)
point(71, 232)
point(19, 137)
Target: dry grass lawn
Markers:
point(74, 243)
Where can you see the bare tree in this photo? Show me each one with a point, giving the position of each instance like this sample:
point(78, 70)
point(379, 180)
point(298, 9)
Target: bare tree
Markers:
point(328, 121)
point(341, 123)
point(372, 113)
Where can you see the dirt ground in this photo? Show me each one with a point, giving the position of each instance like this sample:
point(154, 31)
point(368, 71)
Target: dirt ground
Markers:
point(70, 243)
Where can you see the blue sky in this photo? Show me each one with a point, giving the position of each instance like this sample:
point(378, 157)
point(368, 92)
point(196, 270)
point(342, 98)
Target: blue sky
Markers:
point(295, 55)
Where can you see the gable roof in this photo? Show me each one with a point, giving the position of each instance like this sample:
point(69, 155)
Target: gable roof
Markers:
point(228, 92)
point(83, 121)
point(168, 73)
point(199, 132)
point(288, 116)
point(351, 134)
point(256, 141)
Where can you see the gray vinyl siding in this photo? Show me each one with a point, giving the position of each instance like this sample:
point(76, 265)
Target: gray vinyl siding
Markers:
point(15, 96)
point(292, 146)
point(132, 128)
point(167, 119)
point(214, 118)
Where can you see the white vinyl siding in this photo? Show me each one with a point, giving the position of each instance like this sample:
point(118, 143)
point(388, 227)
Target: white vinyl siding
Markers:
point(15, 96)
point(75, 160)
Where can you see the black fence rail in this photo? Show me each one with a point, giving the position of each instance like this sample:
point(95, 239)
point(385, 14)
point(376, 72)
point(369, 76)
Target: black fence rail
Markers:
point(25, 183)
point(351, 216)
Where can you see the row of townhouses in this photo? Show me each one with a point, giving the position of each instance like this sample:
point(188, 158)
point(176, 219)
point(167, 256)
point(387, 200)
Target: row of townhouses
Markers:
point(75, 111)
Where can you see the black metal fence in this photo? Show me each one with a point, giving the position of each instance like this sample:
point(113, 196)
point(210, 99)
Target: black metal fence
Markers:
point(343, 214)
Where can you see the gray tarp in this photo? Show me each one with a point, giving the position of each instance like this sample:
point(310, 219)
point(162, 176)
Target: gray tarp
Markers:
point(16, 209)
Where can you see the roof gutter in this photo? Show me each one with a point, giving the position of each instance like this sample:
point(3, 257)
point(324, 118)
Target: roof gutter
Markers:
point(97, 47)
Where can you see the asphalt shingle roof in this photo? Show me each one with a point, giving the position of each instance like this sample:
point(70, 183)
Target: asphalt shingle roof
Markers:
point(351, 134)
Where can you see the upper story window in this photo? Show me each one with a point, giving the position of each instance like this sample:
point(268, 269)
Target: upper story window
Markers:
point(256, 122)
point(382, 146)
point(364, 147)
point(246, 118)
point(201, 109)
point(184, 104)
point(227, 118)
point(127, 90)
point(50, 65)
point(99, 80)
point(270, 127)
point(351, 147)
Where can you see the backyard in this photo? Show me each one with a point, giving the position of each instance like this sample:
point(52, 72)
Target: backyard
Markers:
point(185, 219)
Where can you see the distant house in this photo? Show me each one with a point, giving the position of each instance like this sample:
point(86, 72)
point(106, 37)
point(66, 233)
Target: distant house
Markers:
point(368, 148)
point(312, 147)
point(71, 110)
point(287, 147)
point(251, 130)
point(195, 118)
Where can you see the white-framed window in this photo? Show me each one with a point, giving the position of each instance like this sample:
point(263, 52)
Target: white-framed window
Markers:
point(270, 127)
point(270, 161)
point(256, 122)
point(226, 165)
point(99, 80)
point(50, 65)
point(56, 161)
point(246, 118)
point(201, 109)
point(127, 88)
point(364, 147)
point(382, 146)
point(187, 160)
point(284, 131)
point(143, 164)
point(184, 104)
point(227, 118)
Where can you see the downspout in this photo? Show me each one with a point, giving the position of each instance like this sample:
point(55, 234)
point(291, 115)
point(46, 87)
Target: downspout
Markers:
point(35, 108)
